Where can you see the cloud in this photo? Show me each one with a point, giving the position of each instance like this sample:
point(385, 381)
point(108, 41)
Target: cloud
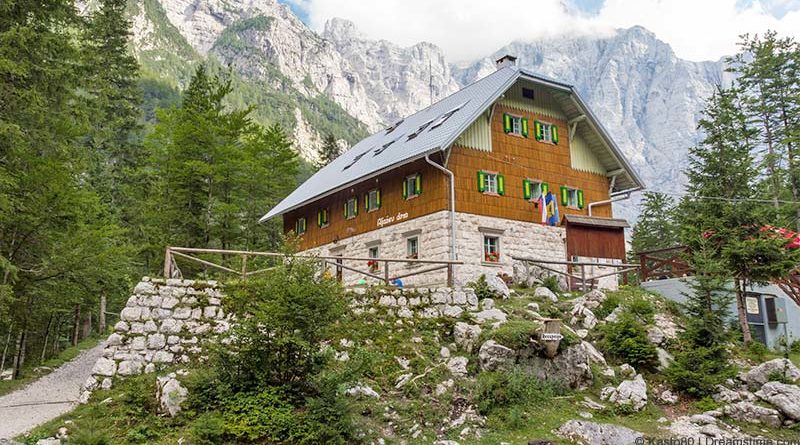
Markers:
point(468, 29)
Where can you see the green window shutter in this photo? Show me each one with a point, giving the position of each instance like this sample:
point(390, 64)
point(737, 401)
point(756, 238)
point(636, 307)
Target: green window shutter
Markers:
point(524, 126)
point(554, 134)
point(537, 130)
point(319, 218)
point(378, 197)
point(545, 188)
point(501, 185)
point(418, 184)
point(507, 123)
point(345, 209)
point(564, 196)
point(481, 181)
point(355, 206)
point(526, 189)
point(405, 188)
point(580, 199)
point(366, 202)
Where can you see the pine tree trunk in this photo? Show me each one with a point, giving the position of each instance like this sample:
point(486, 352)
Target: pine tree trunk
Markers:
point(19, 357)
point(15, 362)
point(742, 312)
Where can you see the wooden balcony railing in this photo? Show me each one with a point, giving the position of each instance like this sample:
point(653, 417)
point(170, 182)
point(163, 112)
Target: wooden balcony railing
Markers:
point(660, 264)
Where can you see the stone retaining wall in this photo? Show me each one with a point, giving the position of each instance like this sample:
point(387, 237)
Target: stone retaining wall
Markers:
point(163, 323)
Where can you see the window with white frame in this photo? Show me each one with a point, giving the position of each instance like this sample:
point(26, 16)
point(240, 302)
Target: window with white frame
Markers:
point(373, 252)
point(490, 184)
point(572, 197)
point(412, 186)
point(373, 200)
point(491, 249)
point(412, 247)
point(351, 208)
point(547, 132)
point(516, 125)
point(300, 226)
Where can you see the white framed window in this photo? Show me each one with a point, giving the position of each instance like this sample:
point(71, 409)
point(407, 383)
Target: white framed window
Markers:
point(300, 226)
point(547, 132)
point(412, 186)
point(490, 183)
point(412, 247)
point(373, 200)
point(572, 197)
point(374, 252)
point(516, 125)
point(491, 248)
point(351, 208)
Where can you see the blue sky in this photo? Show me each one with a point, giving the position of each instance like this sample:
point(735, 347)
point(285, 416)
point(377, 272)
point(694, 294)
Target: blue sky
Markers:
point(468, 29)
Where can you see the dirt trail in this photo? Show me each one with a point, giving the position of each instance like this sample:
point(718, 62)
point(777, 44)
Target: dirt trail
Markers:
point(48, 397)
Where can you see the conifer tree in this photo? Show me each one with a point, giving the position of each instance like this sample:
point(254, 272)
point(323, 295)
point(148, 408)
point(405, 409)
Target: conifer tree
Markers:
point(329, 151)
point(656, 227)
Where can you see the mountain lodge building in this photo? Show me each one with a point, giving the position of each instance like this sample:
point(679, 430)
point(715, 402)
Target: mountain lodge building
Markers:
point(512, 165)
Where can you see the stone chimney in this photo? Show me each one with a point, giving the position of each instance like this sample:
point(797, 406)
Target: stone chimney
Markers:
point(507, 60)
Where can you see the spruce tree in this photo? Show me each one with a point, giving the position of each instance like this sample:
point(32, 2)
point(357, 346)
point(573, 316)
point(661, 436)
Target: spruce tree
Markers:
point(656, 227)
point(328, 151)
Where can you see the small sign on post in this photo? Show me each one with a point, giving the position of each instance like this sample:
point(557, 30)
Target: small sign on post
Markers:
point(551, 337)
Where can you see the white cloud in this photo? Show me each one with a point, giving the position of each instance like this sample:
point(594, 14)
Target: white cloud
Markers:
point(468, 29)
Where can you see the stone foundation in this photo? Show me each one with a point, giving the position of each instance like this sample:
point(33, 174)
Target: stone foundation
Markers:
point(517, 238)
point(163, 323)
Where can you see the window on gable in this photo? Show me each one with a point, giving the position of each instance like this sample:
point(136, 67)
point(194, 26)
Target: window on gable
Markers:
point(373, 200)
point(412, 186)
point(546, 132)
point(572, 197)
point(300, 226)
point(351, 208)
point(527, 93)
point(491, 249)
point(412, 247)
point(516, 125)
point(533, 189)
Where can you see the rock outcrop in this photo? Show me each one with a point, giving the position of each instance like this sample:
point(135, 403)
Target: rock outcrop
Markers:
point(573, 365)
point(590, 433)
point(632, 393)
point(171, 394)
point(782, 396)
point(762, 373)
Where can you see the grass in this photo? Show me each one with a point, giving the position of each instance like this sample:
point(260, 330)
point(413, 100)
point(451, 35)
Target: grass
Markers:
point(29, 376)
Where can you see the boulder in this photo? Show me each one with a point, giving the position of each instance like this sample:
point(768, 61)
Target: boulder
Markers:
point(632, 393)
point(583, 315)
point(664, 359)
point(494, 356)
point(761, 374)
point(49, 441)
point(666, 325)
point(466, 335)
point(667, 397)
point(105, 367)
point(543, 292)
point(627, 371)
point(171, 394)
point(613, 317)
point(498, 286)
point(490, 315)
point(590, 433)
point(595, 295)
point(572, 366)
point(359, 391)
point(782, 396)
point(458, 366)
point(725, 395)
point(749, 412)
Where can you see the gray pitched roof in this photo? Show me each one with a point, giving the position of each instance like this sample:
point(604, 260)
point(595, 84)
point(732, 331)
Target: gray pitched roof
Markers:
point(418, 135)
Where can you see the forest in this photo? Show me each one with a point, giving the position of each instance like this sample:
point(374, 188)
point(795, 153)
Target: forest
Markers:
point(101, 168)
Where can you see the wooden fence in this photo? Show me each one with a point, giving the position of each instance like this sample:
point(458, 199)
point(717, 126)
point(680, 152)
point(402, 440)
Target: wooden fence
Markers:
point(382, 272)
point(660, 264)
point(577, 280)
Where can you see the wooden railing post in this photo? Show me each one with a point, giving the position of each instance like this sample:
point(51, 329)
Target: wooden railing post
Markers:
point(386, 272)
point(244, 267)
point(168, 264)
point(449, 275)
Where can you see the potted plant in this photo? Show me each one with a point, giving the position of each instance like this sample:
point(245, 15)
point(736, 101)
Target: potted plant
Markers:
point(492, 257)
point(373, 265)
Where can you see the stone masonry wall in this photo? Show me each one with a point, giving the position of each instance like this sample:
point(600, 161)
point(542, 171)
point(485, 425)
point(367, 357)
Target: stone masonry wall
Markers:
point(164, 322)
point(517, 238)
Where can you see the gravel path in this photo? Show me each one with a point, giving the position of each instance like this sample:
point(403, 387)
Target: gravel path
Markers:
point(46, 398)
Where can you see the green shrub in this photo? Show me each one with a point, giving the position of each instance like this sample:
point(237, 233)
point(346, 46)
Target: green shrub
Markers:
point(757, 351)
point(263, 416)
point(626, 340)
point(515, 334)
point(283, 317)
point(551, 282)
point(481, 288)
point(498, 391)
point(642, 308)
point(206, 391)
point(697, 370)
point(607, 306)
point(208, 429)
point(795, 348)
point(706, 404)
point(91, 433)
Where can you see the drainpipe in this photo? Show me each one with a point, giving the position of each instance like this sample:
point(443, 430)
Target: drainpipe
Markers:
point(614, 197)
point(453, 252)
